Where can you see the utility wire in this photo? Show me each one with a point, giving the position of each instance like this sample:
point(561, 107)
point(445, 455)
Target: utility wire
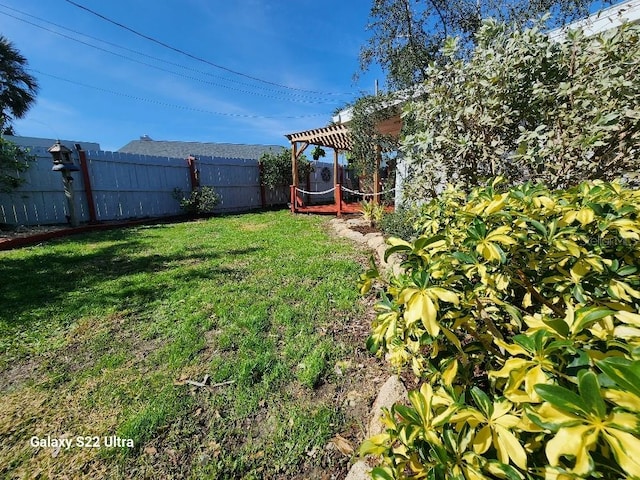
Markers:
point(200, 59)
point(209, 74)
point(297, 98)
point(171, 105)
point(305, 98)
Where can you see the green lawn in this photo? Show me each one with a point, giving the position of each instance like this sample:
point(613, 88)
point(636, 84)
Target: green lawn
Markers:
point(99, 333)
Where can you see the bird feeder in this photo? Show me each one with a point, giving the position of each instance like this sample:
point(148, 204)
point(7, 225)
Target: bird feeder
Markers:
point(63, 163)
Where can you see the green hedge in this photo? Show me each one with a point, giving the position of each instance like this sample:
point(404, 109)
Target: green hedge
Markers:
point(518, 314)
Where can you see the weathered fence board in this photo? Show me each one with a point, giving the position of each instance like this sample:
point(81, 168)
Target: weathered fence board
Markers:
point(127, 186)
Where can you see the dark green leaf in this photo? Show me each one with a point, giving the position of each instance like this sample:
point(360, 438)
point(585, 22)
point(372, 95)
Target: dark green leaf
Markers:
point(562, 398)
point(372, 345)
point(424, 242)
point(585, 316)
point(627, 270)
point(508, 471)
point(395, 249)
point(482, 401)
point(558, 325)
point(590, 393)
point(407, 413)
point(625, 373)
point(382, 473)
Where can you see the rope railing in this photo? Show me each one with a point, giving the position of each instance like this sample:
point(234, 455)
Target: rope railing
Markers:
point(315, 193)
point(365, 195)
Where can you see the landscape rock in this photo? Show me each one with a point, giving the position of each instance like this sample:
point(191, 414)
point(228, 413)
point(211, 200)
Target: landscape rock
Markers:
point(358, 222)
point(375, 240)
point(393, 391)
point(337, 223)
point(356, 236)
point(359, 471)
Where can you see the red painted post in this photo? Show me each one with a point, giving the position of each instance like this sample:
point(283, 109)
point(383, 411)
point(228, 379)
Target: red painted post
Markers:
point(86, 179)
point(338, 196)
point(293, 199)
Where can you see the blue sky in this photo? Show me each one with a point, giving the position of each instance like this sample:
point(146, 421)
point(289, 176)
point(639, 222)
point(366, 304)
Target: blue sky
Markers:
point(308, 47)
point(100, 92)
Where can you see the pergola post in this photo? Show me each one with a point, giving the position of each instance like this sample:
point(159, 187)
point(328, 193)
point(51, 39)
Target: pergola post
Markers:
point(337, 197)
point(376, 175)
point(294, 174)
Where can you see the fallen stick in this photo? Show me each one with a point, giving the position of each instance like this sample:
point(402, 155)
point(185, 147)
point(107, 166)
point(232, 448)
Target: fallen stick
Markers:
point(222, 384)
point(198, 384)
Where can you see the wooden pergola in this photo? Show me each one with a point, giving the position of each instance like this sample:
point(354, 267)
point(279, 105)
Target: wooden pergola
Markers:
point(337, 138)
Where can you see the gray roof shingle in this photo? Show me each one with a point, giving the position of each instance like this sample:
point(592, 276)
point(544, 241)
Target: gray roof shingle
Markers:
point(163, 148)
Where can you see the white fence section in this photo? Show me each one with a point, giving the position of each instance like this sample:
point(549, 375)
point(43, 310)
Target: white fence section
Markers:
point(132, 186)
point(128, 186)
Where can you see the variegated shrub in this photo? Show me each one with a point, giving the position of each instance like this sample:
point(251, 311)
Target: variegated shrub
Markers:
point(518, 314)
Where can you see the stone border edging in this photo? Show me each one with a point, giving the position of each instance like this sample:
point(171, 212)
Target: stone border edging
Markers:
point(375, 241)
point(393, 390)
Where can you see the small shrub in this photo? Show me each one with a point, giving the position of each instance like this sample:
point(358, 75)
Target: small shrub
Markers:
point(201, 201)
point(276, 168)
point(399, 224)
point(529, 108)
point(518, 314)
point(371, 211)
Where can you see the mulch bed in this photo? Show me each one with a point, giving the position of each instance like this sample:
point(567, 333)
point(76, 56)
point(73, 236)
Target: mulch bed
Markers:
point(364, 229)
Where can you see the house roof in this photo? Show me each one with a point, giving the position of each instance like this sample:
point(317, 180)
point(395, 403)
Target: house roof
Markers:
point(173, 149)
point(605, 19)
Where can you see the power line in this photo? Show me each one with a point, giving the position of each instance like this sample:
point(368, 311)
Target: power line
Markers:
point(200, 59)
point(65, 28)
point(171, 105)
point(295, 97)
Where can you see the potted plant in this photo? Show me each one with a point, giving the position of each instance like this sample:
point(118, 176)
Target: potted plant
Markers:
point(317, 153)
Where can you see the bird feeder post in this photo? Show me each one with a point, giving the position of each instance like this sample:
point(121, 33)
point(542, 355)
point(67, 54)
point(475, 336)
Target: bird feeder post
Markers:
point(63, 163)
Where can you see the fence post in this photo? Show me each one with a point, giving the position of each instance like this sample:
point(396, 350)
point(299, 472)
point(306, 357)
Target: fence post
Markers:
point(88, 192)
point(338, 198)
point(263, 191)
point(193, 172)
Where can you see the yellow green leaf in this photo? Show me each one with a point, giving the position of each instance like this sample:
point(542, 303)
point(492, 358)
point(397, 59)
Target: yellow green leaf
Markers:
point(482, 440)
point(585, 216)
point(376, 445)
point(626, 448)
point(628, 318)
point(509, 448)
point(512, 348)
point(450, 372)
point(575, 442)
point(421, 307)
point(443, 294)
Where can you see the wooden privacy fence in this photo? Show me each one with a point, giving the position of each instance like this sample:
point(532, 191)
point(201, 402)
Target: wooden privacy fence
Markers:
point(120, 186)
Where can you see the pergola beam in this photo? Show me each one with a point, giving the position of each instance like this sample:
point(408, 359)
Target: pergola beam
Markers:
point(333, 136)
point(338, 138)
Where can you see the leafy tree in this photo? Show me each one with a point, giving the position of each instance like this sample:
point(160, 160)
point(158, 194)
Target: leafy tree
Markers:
point(406, 35)
point(13, 160)
point(524, 106)
point(18, 88)
point(17, 94)
point(276, 168)
point(367, 113)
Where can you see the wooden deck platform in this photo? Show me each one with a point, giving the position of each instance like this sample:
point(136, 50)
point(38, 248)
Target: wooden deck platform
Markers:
point(331, 209)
